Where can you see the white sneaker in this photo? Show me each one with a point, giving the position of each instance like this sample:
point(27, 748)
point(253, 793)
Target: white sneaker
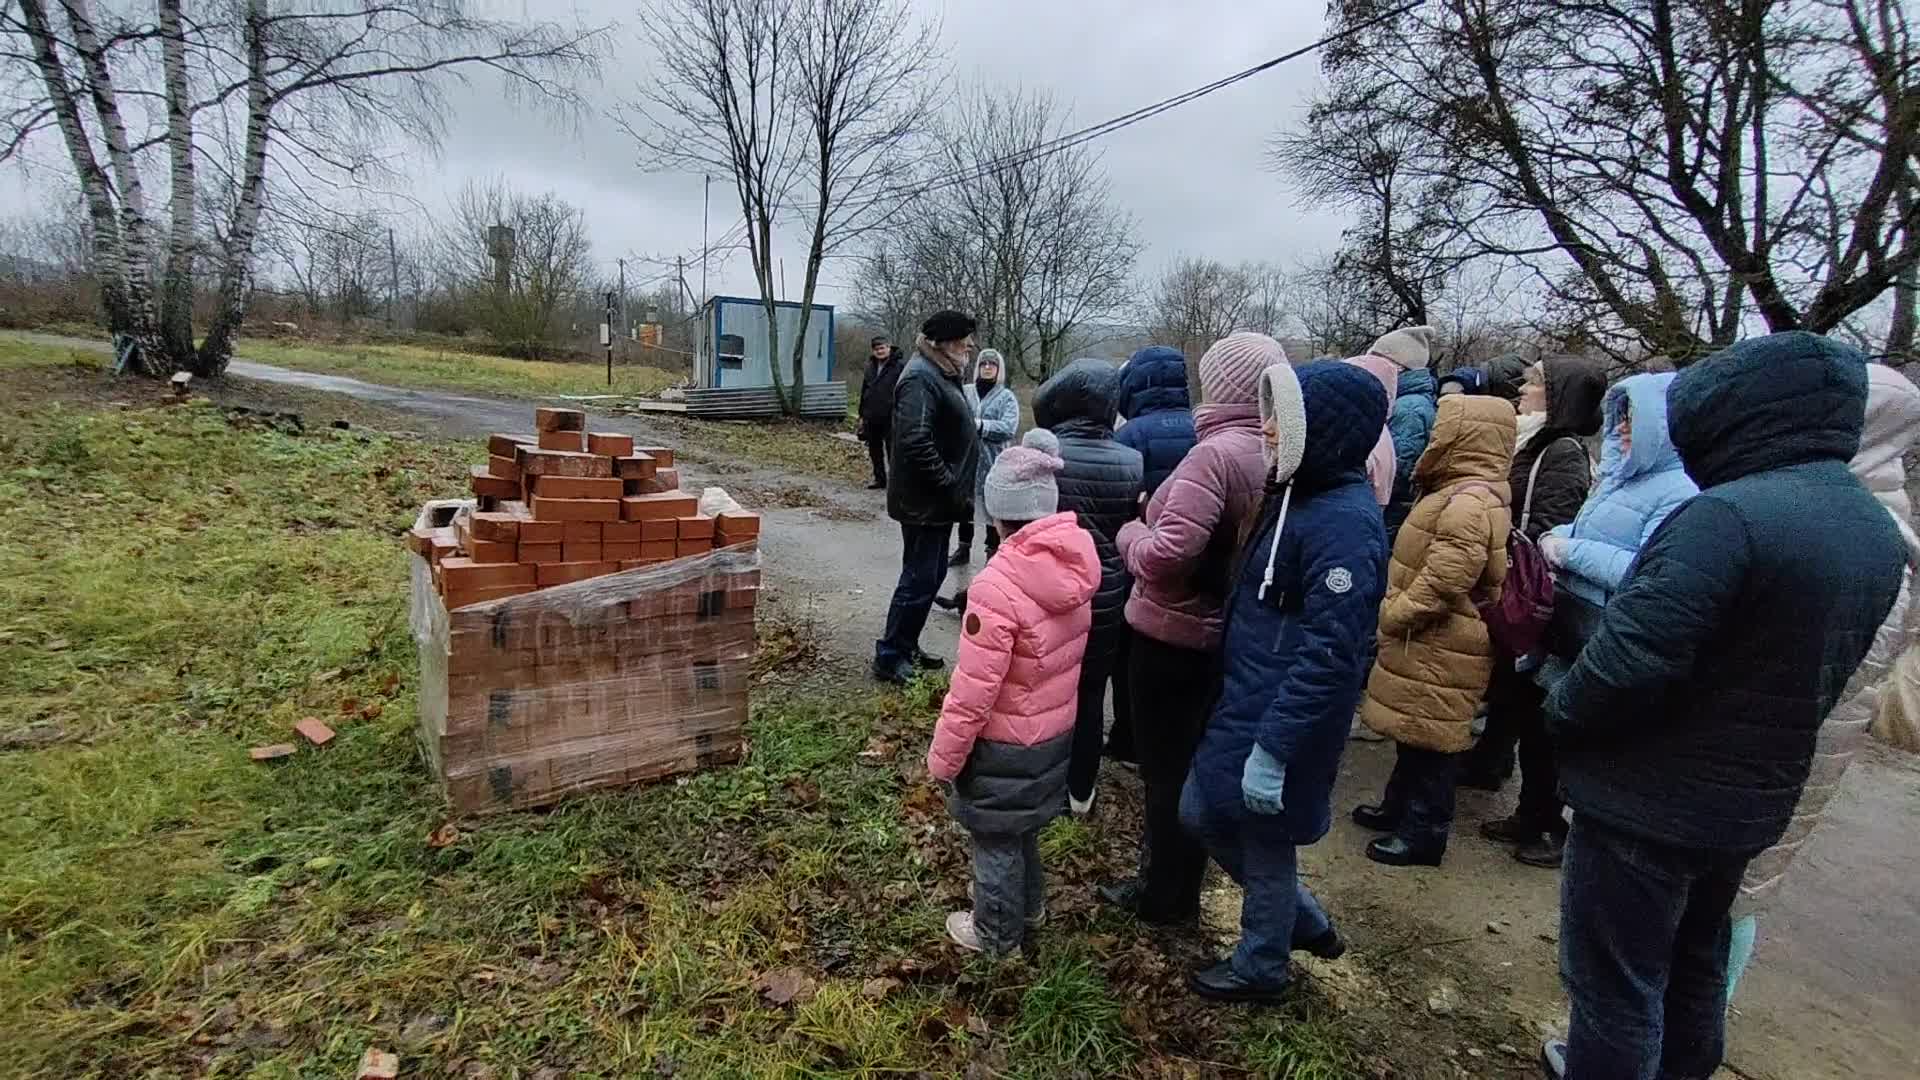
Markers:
point(960, 929)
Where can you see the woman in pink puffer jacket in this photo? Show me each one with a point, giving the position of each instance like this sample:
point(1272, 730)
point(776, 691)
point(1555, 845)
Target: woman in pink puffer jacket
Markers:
point(1005, 733)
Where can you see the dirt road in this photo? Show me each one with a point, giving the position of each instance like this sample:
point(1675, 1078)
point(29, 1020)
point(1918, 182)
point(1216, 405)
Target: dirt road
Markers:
point(1832, 989)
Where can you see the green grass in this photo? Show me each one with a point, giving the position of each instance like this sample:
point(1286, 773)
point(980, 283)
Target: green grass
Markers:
point(174, 589)
point(427, 367)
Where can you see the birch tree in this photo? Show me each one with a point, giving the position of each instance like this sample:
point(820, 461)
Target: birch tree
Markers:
point(321, 90)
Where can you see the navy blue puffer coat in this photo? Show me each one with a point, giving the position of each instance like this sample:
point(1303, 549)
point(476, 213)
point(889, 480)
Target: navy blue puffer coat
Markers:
point(1296, 650)
point(1690, 716)
point(1101, 482)
point(1153, 398)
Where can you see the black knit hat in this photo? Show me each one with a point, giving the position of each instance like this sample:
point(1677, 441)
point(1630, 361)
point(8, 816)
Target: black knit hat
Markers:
point(947, 326)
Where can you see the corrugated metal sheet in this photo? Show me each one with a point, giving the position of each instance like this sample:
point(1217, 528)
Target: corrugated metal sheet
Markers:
point(821, 401)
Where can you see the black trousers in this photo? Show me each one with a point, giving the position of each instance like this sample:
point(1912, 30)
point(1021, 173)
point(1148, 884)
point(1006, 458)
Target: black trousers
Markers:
point(1120, 745)
point(1172, 691)
point(1420, 794)
point(876, 440)
point(1090, 716)
point(1516, 716)
point(965, 541)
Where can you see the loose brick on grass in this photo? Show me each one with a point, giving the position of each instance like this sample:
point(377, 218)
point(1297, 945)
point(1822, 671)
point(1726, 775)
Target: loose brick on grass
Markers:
point(545, 419)
point(647, 507)
point(493, 550)
point(536, 462)
point(465, 575)
point(566, 573)
point(274, 752)
point(576, 487)
point(563, 440)
point(610, 443)
point(315, 732)
point(546, 509)
point(541, 553)
point(505, 445)
point(496, 526)
point(634, 466)
point(487, 485)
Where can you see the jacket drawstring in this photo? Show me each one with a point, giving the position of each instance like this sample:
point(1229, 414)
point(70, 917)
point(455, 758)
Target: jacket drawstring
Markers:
point(1273, 550)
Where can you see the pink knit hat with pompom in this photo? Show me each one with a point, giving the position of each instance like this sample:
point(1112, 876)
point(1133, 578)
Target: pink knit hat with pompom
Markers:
point(1020, 486)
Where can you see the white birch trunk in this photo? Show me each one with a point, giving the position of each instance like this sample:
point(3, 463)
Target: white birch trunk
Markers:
point(236, 269)
point(176, 286)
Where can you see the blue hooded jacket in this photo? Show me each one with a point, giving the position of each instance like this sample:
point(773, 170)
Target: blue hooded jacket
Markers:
point(1636, 491)
point(1295, 650)
point(1415, 403)
point(1153, 398)
point(1690, 717)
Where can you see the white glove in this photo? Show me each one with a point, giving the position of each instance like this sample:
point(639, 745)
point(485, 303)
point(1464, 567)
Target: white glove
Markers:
point(1554, 550)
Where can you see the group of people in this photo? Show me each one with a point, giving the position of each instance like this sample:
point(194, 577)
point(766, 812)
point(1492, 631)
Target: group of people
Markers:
point(1661, 639)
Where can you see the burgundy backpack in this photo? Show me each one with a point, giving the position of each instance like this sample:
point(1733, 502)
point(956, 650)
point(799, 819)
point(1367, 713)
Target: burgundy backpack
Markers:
point(1518, 619)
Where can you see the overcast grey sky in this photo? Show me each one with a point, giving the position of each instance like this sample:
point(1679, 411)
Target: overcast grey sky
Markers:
point(1193, 178)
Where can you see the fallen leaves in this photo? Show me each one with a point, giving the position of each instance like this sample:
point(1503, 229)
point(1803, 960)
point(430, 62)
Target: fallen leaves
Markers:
point(879, 987)
point(786, 986)
point(879, 750)
point(445, 836)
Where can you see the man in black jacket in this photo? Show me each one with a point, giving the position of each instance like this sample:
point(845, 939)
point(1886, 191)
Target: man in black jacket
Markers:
point(935, 454)
point(876, 406)
point(1101, 483)
point(1686, 728)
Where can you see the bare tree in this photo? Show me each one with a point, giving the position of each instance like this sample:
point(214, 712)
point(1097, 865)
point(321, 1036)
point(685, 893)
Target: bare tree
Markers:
point(1199, 301)
point(315, 86)
point(550, 271)
point(1671, 173)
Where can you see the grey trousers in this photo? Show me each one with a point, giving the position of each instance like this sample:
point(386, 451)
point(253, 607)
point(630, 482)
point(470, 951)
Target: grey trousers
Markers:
point(1009, 888)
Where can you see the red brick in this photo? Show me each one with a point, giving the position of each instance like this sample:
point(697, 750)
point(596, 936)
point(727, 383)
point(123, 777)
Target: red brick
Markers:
point(541, 553)
point(445, 542)
point(563, 440)
point(576, 487)
point(659, 528)
point(634, 466)
point(650, 485)
point(546, 509)
point(505, 445)
point(487, 485)
point(693, 546)
point(659, 549)
point(559, 419)
point(620, 550)
point(469, 597)
point(696, 527)
point(274, 752)
point(581, 551)
point(505, 468)
point(669, 479)
point(496, 526)
point(662, 455)
point(738, 523)
point(464, 575)
point(494, 550)
point(315, 732)
point(583, 532)
point(542, 532)
point(637, 564)
point(623, 532)
point(420, 541)
point(536, 462)
point(566, 573)
point(609, 443)
point(646, 507)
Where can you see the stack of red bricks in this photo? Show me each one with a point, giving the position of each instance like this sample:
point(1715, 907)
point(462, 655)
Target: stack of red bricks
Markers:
point(565, 505)
point(530, 691)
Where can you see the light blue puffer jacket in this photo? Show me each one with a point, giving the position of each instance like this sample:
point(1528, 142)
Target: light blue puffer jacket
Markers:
point(1634, 493)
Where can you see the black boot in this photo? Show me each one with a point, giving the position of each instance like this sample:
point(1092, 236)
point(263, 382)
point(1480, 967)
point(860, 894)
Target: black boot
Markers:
point(1543, 850)
point(1393, 851)
point(1509, 830)
point(1221, 983)
point(1377, 817)
point(927, 663)
point(1328, 946)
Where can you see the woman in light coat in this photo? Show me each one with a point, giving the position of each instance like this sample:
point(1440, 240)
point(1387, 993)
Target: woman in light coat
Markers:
point(997, 412)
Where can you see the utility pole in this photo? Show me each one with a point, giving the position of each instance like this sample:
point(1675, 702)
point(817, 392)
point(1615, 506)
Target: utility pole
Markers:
point(626, 332)
point(699, 306)
point(393, 278)
point(606, 338)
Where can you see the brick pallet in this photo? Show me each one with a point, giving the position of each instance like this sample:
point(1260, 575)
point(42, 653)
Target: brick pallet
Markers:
point(580, 623)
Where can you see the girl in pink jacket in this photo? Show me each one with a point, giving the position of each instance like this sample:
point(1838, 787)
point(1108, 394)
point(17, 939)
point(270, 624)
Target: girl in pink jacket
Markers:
point(1006, 729)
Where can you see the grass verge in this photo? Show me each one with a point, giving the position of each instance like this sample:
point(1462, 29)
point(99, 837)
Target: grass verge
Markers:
point(174, 588)
point(429, 368)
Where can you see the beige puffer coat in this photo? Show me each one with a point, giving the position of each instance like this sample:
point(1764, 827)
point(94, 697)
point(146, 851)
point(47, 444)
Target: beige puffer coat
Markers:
point(1435, 657)
point(1891, 429)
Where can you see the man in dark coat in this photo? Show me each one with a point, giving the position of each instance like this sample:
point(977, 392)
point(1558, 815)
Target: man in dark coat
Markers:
point(1299, 625)
point(876, 405)
point(1686, 727)
point(935, 453)
point(1153, 398)
point(1505, 374)
point(1101, 484)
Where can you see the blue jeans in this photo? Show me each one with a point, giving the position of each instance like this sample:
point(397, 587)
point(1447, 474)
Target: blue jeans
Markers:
point(1278, 914)
point(923, 565)
point(1643, 954)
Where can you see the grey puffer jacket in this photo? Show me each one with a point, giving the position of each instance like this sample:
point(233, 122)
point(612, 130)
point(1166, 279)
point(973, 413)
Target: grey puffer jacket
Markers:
point(1008, 789)
point(1102, 481)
